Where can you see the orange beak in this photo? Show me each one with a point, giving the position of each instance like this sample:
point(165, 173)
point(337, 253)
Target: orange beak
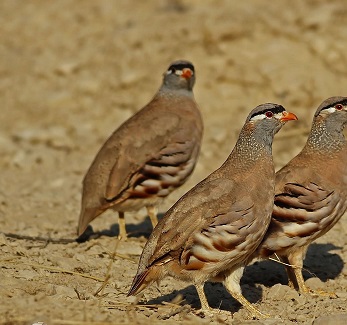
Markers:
point(287, 116)
point(186, 73)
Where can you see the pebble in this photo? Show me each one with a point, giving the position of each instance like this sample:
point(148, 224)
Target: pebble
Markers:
point(278, 291)
point(340, 319)
point(65, 292)
point(315, 283)
point(26, 274)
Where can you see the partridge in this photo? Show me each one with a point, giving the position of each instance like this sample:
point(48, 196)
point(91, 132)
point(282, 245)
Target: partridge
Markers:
point(212, 230)
point(311, 191)
point(149, 155)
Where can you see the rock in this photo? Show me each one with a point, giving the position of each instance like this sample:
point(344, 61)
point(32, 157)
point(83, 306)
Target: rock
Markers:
point(315, 283)
point(67, 68)
point(340, 319)
point(65, 292)
point(27, 274)
point(278, 291)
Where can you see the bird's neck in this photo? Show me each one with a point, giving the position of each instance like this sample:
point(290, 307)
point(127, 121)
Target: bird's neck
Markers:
point(323, 139)
point(251, 149)
point(174, 92)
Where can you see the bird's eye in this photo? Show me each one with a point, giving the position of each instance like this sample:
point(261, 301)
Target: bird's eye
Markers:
point(339, 107)
point(269, 114)
point(173, 70)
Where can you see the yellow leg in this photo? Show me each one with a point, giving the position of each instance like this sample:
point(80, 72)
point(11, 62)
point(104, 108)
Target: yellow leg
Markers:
point(297, 261)
point(152, 213)
point(292, 282)
point(121, 223)
point(204, 303)
point(232, 284)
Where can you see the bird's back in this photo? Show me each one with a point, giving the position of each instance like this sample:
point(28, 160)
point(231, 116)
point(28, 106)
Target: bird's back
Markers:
point(165, 133)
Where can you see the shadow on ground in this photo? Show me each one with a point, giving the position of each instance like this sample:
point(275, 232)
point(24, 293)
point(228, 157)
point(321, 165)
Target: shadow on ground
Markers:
point(216, 294)
point(142, 229)
point(319, 262)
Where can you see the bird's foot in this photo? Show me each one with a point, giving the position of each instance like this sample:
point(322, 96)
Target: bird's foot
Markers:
point(255, 313)
point(305, 290)
point(122, 237)
point(319, 293)
point(211, 312)
point(205, 312)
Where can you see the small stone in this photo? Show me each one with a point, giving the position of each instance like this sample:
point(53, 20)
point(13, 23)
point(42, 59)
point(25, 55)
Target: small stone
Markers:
point(27, 274)
point(67, 68)
point(65, 292)
point(315, 283)
point(340, 319)
point(279, 291)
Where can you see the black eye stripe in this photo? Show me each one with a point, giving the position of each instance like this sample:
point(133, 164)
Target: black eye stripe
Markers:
point(342, 102)
point(332, 104)
point(181, 66)
point(274, 110)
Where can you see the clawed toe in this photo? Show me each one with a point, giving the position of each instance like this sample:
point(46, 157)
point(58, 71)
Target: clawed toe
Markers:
point(321, 293)
point(122, 237)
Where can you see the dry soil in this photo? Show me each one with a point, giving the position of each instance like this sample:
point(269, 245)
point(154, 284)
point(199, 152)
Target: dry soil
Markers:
point(72, 71)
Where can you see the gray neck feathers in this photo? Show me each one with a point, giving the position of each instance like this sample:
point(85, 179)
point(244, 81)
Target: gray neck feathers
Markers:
point(169, 91)
point(253, 146)
point(326, 135)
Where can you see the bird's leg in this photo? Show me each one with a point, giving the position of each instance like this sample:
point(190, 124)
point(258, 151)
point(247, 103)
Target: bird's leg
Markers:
point(152, 213)
point(232, 284)
point(121, 223)
point(205, 307)
point(292, 282)
point(294, 271)
point(297, 261)
point(203, 300)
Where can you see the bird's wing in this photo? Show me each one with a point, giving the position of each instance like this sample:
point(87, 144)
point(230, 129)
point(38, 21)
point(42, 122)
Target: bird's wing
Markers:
point(301, 211)
point(154, 162)
point(302, 203)
point(170, 160)
point(206, 217)
point(225, 238)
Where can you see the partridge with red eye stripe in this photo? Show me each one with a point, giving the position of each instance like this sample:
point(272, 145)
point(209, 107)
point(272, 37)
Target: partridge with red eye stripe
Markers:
point(149, 155)
point(212, 230)
point(311, 191)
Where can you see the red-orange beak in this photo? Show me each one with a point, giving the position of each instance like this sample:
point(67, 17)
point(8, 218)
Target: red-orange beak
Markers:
point(186, 73)
point(287, 116)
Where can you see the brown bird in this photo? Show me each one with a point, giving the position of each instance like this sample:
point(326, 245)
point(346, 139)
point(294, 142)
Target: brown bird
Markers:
point(212, 230)
point(311, 191)
point(149, 155)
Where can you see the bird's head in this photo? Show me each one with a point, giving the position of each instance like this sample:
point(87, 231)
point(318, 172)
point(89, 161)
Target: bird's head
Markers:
point(267, 119)
point(332, 112)
point(180, 75)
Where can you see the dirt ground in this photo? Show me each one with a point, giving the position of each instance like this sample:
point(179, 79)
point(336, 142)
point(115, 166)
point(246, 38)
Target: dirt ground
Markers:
point(72, 71)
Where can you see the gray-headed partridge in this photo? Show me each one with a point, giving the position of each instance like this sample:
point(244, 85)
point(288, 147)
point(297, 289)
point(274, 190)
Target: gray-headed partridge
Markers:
point(149, 155)
point(210, 233)
point(311, 191)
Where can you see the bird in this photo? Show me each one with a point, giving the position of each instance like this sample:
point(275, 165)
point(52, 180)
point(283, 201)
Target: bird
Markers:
point(310, 192)
point(210, 232)
point(150, 155)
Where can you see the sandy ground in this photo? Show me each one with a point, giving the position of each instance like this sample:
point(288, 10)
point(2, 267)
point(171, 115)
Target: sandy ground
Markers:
point(72, 71)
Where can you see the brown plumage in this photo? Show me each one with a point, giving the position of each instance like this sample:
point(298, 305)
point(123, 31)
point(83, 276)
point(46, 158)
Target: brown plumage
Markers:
point(212, 230)
point(149, 155)
point(311, 191)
